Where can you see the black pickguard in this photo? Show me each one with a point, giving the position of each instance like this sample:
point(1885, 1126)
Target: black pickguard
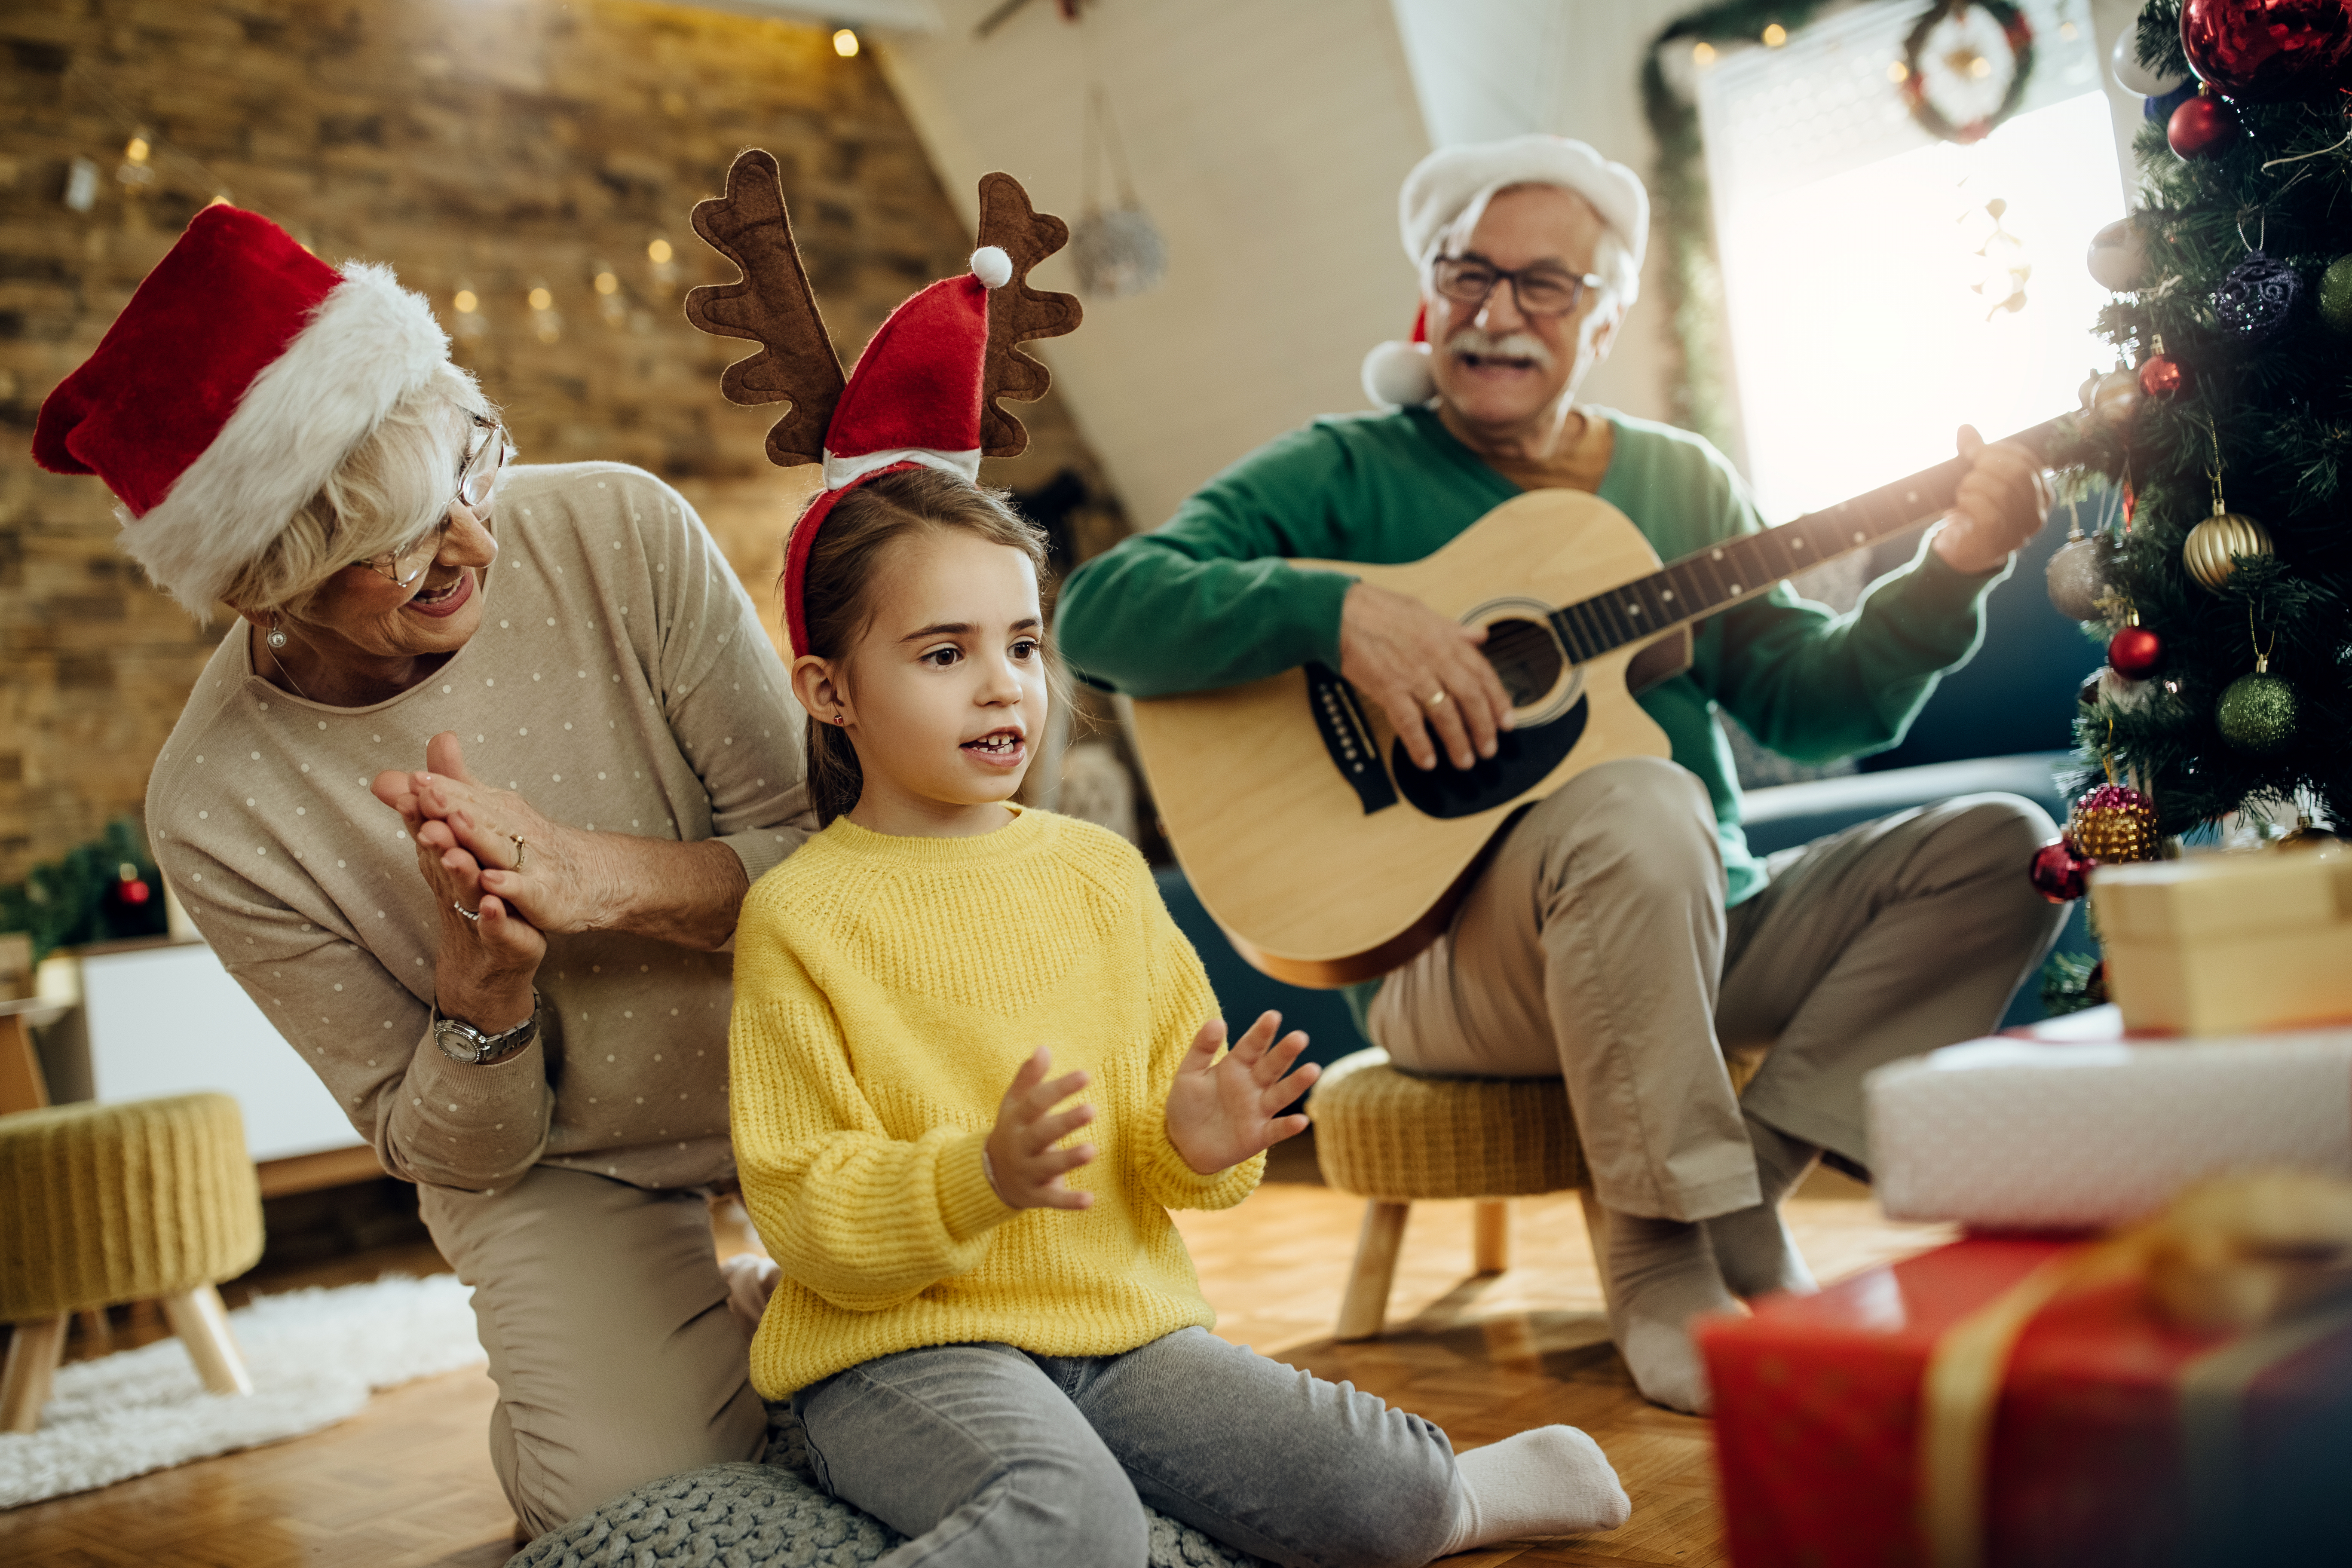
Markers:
point(1522, 758)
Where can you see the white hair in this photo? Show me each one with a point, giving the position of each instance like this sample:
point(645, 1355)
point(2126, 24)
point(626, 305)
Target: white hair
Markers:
point(1613, 256)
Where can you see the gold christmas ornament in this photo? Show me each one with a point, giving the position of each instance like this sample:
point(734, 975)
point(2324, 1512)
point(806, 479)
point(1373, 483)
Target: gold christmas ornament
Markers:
point(2212, 546)
point(2112, 825)
point(2115, 398)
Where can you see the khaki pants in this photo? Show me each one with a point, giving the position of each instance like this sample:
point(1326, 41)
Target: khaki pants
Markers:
point(1596, 946)
point(605, 1319)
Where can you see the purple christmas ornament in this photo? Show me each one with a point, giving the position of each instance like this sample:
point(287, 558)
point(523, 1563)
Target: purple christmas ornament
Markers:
point(2255, 299)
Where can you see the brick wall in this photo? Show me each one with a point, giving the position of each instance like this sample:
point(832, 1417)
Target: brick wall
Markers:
point(497, 145)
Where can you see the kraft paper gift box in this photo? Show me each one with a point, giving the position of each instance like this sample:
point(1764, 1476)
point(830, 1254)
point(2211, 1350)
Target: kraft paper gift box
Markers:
point(2114, 1438)
point(2215, 945)
point(2021, 1134)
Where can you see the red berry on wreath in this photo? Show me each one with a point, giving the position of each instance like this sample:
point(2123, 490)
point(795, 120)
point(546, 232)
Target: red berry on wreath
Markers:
point(2134, 651)
point(2203, 126)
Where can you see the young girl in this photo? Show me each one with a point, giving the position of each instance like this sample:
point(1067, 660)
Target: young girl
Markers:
point(970, 1075)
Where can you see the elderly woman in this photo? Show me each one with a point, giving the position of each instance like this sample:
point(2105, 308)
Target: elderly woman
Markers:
point(508, 964)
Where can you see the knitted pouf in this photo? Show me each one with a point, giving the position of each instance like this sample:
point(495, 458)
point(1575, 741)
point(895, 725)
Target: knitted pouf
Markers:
point(772, 1515)
point(106, 1204)
point(1386, 1135)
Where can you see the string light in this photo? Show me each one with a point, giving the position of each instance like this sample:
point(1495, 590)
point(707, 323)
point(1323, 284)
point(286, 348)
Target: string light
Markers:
point(844, 44)
point(1702, 54)
point(544, 321)
point(660, 252)
point(608, 282)
point(1775, 35)
point(1897, 71)
point(468, 306)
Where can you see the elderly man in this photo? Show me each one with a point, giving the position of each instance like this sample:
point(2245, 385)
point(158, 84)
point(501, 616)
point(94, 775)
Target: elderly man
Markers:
point(1622, 935)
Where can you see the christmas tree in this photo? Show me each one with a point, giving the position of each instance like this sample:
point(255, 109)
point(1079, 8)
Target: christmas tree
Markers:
point(102, 891)
point(2221, 590)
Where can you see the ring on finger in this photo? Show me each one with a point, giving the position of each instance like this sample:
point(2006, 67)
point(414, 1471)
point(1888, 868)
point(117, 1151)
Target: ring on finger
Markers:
point(519, 845)
point(474, 915)
point(1434, 703)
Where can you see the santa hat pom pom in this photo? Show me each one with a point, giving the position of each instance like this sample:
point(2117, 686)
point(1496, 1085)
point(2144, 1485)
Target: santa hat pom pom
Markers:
point(991, 267)
point(1396, 375)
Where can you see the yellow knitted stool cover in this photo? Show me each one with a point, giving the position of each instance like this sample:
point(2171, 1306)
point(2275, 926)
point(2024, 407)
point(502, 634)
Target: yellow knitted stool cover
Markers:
point(1387, 1135)
point(105, 1204)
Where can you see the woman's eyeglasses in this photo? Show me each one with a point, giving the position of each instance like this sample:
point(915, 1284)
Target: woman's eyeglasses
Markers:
point(477, 478)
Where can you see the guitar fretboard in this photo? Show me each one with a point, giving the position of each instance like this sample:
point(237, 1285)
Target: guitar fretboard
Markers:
point(1719, 576)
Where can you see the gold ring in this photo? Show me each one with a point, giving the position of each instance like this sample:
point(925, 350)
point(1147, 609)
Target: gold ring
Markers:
point(1434, 703)
point(519, 848)
point(474, 915)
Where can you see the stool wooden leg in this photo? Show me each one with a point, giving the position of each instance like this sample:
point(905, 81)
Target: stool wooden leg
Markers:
point(201, 1323)
point(1366, 1306)
point(1490, 1236)
point(32, 1360)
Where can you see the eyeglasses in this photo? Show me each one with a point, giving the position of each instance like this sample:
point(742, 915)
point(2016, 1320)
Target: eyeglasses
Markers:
point(1541, 291)
point(477, 478)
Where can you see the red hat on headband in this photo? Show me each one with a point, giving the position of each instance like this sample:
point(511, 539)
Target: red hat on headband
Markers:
point(231, 387)
point(924, 391)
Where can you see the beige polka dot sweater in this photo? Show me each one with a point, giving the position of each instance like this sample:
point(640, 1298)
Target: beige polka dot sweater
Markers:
point(887, 989)
point(622, 682)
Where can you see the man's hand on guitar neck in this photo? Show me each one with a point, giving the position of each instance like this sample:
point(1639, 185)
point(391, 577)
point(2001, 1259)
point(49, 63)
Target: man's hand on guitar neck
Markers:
point(2002, 501)
point(1427, 673)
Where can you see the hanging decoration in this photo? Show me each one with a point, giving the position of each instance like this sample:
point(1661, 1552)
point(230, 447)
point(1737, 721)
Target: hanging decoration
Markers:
point(1117, 251)
point(1950, 65)
point(2257, 297)
point(2335, 295)
point(2269, 51)
point(2211, 550)
point(2203, 126)
point(2161, 376)
point(2134, 650)
point(2114, 825)
point(2078, 574)
point(2136, 75)
point(2119, 257)
point(2258, 712)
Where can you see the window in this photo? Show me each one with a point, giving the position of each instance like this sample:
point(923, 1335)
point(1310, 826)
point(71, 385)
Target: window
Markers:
point(1868, 266)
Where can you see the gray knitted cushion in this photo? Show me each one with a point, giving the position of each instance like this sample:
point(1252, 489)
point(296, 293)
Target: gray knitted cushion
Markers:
point(772, 1515)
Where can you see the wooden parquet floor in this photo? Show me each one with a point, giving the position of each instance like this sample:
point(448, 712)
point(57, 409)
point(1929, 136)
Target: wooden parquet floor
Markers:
point(406, 1483)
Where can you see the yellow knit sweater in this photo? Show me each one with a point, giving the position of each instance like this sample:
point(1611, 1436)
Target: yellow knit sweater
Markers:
point(887, 990)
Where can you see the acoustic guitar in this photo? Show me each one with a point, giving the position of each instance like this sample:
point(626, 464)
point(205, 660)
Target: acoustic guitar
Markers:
point(1311, 837)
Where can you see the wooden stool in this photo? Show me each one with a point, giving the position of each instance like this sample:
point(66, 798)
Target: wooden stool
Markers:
point(1396, 1140)
point(105, 1204)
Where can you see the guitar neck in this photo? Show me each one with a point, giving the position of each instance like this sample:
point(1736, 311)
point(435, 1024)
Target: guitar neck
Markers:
point(1709, 581)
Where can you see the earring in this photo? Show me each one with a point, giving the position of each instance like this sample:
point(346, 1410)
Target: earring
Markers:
point(839, 720)
point(276, 637)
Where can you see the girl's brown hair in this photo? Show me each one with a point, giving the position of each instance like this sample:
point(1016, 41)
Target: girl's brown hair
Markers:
point(836, 602)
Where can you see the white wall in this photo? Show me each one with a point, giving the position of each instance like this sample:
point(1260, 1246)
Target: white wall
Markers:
point(1266, 140)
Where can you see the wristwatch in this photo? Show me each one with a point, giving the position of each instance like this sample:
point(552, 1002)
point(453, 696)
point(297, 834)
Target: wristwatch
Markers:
point(461, 1042)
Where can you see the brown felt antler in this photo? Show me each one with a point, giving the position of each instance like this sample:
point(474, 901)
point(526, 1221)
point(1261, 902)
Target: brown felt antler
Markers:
point(1017, 313)
point(772, 306)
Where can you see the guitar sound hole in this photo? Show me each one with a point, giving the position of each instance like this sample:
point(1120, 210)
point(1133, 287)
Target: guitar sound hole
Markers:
point(1526, 656)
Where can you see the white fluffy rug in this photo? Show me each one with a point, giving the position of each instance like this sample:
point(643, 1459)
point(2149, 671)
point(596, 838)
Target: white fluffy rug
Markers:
point(314, 1356)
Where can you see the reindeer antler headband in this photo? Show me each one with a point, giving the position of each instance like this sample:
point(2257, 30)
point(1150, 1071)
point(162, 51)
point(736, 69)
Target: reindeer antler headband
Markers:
point(924, 392)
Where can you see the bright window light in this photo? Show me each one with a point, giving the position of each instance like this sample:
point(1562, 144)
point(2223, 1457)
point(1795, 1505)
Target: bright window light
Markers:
point(1873, 275)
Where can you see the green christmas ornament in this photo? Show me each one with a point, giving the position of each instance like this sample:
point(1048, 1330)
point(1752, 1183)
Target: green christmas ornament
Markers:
point(2257, 714)
point(2335, 295)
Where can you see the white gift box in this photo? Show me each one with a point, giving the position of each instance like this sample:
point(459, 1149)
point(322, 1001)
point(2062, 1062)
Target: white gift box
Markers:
point(2016, 1134)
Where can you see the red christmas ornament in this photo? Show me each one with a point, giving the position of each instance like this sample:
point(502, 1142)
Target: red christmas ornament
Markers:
point(2058, 874)
point(136, 892)
point(2163, 377)
point(2203, 126)
point(2134, 651)
point(2269, 51)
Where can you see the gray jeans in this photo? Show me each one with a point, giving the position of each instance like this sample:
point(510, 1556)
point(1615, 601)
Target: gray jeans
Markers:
point(984, 1454)
point(1595, 946)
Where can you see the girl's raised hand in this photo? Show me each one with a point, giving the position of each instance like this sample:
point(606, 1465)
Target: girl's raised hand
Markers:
point(1023, 1166)
point(1221, 1110)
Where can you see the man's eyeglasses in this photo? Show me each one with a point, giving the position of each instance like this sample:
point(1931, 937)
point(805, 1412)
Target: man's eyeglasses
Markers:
point(1541, 291)
point(478, 477)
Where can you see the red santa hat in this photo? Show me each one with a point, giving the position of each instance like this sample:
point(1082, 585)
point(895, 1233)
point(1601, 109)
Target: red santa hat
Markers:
point(913, 401)
point(1453, 180)
point(923, 394)
point(241, 375)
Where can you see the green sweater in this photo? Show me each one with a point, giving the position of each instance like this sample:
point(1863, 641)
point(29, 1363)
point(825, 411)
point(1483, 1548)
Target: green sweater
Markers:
point(1207, 600)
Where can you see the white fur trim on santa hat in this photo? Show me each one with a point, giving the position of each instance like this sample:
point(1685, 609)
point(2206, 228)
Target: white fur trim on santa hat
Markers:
point(841, 471)
point(369, 344)
point(991, 267)
point(1446, 183)
point(1397, 374)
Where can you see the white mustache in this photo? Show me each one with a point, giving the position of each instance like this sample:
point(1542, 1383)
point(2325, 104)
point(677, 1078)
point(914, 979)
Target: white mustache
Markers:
point(1511, 345)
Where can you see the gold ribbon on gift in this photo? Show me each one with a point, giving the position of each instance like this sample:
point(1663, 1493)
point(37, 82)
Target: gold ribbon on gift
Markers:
point(2238, 1253)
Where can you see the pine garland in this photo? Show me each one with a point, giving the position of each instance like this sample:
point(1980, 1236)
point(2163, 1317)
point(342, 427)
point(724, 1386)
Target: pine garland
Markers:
point(75, 899)
point(2281, 412)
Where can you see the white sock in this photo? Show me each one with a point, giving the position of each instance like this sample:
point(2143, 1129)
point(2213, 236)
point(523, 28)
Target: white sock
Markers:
point(1660, 1275)
point(1553, 1480)
point(1752, 1246)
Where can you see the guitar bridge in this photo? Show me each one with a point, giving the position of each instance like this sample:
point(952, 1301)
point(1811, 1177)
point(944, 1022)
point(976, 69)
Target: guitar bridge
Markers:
point(1347, 736)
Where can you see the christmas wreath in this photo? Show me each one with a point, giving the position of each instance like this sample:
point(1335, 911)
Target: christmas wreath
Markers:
point(2016, 32)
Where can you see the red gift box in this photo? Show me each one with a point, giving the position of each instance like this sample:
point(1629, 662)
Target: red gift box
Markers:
point(2115, 1438)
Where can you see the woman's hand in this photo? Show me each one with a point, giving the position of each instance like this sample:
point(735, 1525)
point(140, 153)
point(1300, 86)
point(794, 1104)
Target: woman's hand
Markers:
point(553, 878)
point(1023, 1166)
point(1222, 1110)
point(487, 962)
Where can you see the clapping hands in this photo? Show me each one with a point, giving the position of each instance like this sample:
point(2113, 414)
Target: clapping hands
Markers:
point(1221, 1109)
